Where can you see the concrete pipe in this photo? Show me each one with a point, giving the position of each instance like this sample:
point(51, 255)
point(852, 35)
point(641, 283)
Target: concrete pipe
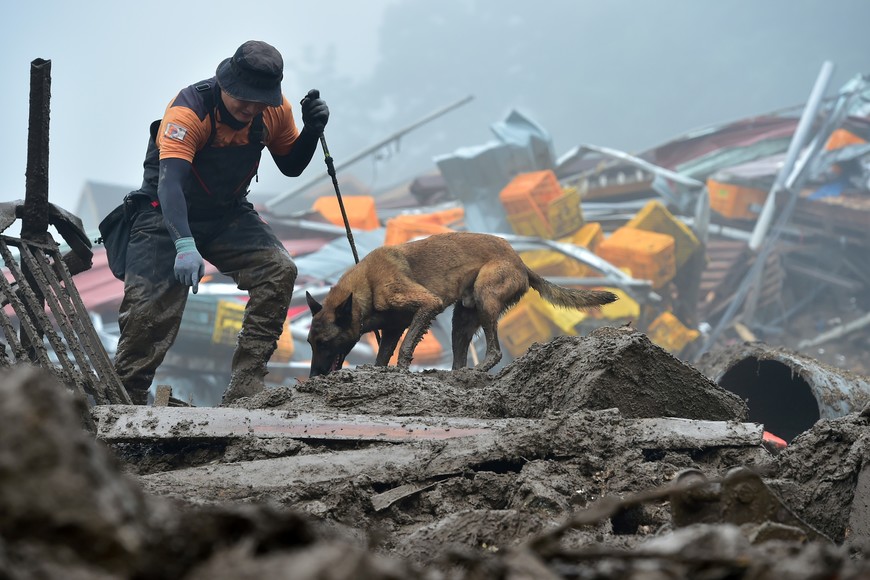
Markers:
point(785, 391)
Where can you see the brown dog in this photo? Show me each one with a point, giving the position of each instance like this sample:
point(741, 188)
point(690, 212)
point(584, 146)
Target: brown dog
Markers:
point(406, 286)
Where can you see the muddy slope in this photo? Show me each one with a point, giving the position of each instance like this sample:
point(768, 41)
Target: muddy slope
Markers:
point(611, 368)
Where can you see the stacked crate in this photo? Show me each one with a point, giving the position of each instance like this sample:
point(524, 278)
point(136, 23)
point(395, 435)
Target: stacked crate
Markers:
point(537, 205)
point(655, 217)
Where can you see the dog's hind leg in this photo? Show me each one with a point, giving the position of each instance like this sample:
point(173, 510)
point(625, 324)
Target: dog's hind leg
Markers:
point(493, 348)
point(465, 324)
point(498, 287)
point(389, 339)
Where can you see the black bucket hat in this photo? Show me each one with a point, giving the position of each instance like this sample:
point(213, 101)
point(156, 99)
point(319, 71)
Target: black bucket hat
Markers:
point(253, 73)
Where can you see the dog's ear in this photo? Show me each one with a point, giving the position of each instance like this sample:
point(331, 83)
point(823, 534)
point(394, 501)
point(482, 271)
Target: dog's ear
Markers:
point(313, 304)
point(344, 312)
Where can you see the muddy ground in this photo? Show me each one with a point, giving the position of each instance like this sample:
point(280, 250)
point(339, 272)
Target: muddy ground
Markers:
point(565, 482)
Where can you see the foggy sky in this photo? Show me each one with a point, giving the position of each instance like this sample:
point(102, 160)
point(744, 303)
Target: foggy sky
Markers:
point(618, 73)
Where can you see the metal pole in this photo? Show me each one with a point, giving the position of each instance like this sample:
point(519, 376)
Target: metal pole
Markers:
point(34, 222)
point(330, 169)
point(786, 179)
point(797, 143)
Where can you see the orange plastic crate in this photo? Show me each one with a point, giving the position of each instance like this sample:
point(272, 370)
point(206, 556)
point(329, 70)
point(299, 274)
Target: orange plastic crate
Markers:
point(530, 191)
point(841, 138)
point(428, 350)
point(735, 201)
point(404, 228)
point(360, 210)
point(648, 255)
point(655, 217)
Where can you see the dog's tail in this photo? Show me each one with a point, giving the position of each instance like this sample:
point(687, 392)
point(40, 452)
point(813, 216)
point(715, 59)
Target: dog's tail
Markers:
point(569, 297)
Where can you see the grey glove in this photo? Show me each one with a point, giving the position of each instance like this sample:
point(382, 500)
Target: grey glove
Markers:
point(189, 266)
point(315, 113)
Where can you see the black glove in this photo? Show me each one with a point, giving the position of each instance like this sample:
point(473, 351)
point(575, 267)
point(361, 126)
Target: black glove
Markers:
point(315, 113)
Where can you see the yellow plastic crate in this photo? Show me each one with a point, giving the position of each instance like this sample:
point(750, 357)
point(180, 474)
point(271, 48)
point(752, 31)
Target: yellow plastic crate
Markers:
point(552, 263)
point(563, 320)
point(626, 308)
point(564, 214)
point(529, 223)
point(655, 217)
point(228, 323)
point(669, 333)
point(560, 217)
point(520, 327)
point(589, 236)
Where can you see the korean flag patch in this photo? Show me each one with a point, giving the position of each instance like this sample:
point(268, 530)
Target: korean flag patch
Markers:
point(174, 131)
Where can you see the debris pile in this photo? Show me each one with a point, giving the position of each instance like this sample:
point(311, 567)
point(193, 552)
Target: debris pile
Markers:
point(602, 456)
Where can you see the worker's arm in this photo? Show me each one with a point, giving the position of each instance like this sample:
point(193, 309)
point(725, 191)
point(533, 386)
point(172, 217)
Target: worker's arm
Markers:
point(294, 163)
point(189, 265)
point(173, 173)
point(315, 115)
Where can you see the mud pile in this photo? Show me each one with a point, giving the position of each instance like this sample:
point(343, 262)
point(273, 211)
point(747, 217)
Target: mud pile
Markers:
point(568, 471)
point(612, 368)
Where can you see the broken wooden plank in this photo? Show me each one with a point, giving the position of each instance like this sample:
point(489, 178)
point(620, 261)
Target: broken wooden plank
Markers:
point(384, 500)
point(125, 422)
point(676, 433)
point(410, 466)
point(162, 396)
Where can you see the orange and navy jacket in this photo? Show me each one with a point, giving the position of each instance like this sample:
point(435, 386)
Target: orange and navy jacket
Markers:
point(224, 159)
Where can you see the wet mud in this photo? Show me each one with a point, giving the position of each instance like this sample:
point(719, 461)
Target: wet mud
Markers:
point(564, 483)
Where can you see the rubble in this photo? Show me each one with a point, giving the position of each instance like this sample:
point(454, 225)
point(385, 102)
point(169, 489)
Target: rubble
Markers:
point(547, 482)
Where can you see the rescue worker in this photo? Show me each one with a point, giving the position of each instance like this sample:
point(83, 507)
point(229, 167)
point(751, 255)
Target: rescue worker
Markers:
point(192, 206)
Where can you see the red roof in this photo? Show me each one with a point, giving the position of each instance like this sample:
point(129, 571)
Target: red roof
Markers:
point(738, 134)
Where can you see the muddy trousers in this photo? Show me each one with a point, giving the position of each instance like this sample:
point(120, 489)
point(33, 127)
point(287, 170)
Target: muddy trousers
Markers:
point(243, 247)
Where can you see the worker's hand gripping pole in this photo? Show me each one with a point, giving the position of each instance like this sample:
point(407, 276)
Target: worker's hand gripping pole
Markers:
point(330, 168)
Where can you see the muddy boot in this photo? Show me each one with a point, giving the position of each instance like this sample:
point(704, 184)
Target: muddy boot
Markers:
point(138, 396)
point(137, 389)
point(248, 374)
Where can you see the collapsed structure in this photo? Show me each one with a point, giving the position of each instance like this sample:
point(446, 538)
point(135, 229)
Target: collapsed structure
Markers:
point(658, 436)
